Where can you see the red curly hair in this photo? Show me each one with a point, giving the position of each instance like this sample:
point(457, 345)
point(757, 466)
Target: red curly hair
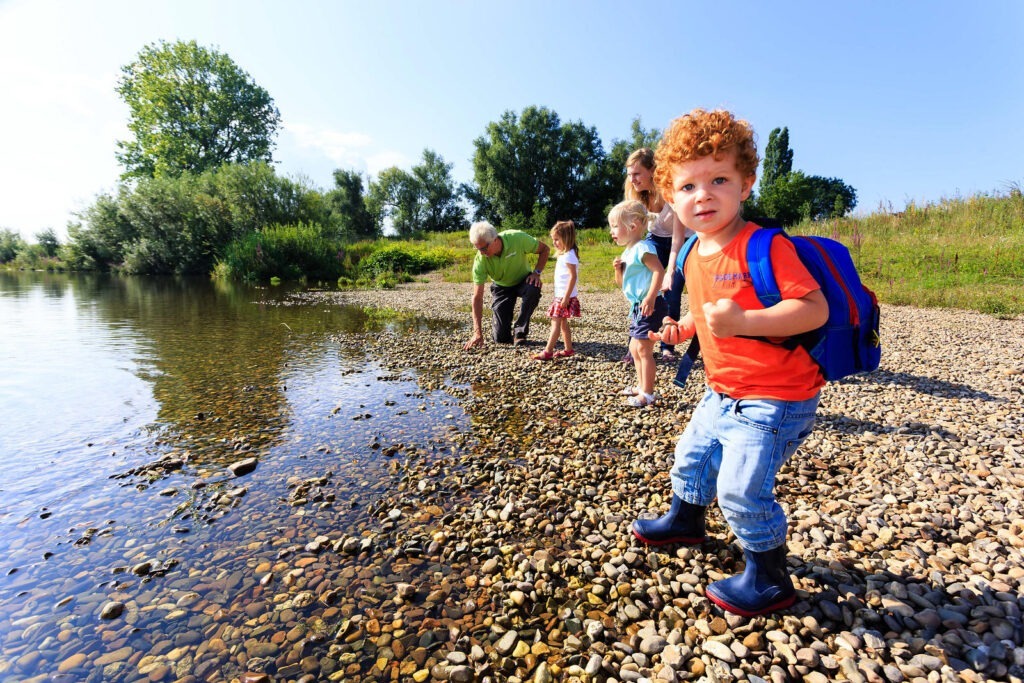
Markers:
point(699, 134)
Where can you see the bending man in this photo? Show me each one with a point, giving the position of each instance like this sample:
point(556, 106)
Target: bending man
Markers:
point(502, 258)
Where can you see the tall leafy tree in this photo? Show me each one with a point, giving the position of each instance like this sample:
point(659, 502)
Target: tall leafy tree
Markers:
point(48, 242)
point(10, 244)
point(192, 109)
point(621, 149)
point(422, 199)
point(778, 157)
point(439, 195)
point(393, 201)
point(532, 163)
point(349, 212)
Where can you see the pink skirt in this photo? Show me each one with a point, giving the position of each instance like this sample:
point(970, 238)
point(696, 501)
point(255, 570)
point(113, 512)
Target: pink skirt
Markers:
point(570, 310)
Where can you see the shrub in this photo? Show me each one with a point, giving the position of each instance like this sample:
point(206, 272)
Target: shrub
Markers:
point(406, 259)
point(289, 252)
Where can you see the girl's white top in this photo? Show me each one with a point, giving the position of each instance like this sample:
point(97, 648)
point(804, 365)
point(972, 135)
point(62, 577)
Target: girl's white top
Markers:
point(562, 273)
point(663, 224)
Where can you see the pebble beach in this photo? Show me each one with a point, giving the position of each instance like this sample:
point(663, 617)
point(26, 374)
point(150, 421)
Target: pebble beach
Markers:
point(905, 511)
point(500, 549)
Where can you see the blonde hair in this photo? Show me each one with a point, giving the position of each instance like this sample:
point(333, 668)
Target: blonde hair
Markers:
point(566, 233)
point(645, 157)
point(704, 133)
point(628, 213)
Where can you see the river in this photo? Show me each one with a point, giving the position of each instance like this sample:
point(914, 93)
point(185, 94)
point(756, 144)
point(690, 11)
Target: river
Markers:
point(123, 404)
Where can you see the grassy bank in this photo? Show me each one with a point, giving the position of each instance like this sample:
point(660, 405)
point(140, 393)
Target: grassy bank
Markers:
point(962, 253)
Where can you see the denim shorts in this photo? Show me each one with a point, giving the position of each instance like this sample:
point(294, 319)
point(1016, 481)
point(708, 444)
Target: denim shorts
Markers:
point(642, 325)
point(733, 449)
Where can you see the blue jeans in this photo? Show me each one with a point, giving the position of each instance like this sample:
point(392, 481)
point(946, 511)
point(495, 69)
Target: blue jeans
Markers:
point(733, 449)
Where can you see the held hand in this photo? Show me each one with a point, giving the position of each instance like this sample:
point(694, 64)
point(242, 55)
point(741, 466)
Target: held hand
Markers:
point(725, 318)
point(476, 340)
point(672, 332)
point(666, 282)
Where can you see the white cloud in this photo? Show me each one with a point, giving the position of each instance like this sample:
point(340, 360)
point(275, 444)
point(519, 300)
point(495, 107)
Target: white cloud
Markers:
point(349, 150)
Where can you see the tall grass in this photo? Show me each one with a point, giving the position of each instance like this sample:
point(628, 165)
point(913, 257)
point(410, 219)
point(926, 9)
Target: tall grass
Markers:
point(304, 253)
point(954, 253)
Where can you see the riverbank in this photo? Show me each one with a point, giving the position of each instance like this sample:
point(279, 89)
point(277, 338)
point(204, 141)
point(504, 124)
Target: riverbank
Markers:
point(379, 505)
point(904, 506)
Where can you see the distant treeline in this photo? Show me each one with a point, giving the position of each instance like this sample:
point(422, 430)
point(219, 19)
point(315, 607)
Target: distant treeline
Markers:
point(199, 193)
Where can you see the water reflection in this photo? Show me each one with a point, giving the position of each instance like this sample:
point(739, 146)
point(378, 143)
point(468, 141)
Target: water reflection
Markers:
point(104, 376)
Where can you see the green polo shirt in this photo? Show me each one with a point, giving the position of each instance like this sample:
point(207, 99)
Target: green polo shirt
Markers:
point(511, 266)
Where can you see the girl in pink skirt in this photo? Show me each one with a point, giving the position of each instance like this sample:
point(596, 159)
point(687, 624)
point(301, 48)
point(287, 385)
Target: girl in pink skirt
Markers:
point(566, 304)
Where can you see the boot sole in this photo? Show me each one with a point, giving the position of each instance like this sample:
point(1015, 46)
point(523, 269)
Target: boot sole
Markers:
point(775, 606)
point(685, 540)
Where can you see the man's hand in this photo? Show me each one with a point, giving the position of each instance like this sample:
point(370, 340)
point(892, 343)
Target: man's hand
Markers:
point(476, 340)
point(725, 318)
point(534, 280)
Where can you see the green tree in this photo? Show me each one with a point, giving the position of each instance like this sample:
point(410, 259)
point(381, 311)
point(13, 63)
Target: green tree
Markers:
point(350, 216)
point(789, 196)
point(48, 242)
point(393, 201)
point(783, 200)
point(10, 244)
point(191, 110)
point(183, 224)
point(829, 198)
point(796, 196)
point(423, 199)
point(439, 195)
point(778, 157)
point(621, 149)
point(534, 162)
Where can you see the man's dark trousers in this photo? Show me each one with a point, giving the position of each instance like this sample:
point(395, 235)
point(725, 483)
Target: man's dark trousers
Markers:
point(503, 303)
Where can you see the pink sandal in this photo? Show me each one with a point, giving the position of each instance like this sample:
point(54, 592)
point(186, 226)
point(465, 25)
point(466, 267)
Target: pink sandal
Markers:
point(564, 354)
point(543, 355)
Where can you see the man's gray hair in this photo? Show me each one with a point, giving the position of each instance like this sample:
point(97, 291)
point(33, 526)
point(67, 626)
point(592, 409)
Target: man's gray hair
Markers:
point(482, 231)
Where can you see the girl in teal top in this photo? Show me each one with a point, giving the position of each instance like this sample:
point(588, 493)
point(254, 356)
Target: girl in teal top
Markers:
point(639, 272)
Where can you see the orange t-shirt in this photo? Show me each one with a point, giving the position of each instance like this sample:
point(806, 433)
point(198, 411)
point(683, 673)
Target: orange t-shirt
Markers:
point(750, 368)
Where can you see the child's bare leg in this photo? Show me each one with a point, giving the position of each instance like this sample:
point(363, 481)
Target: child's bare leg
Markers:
point(636, 351)
point(553, 337)
point(566, 335)
point(645, 367)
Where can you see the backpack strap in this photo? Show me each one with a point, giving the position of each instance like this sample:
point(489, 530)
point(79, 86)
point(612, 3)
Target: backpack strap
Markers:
point(762, 276)
point(690, 357)
point(759, 260)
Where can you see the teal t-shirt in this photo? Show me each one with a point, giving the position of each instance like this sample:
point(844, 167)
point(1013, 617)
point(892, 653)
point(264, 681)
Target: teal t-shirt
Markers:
point(510, 266)
point(636, 278)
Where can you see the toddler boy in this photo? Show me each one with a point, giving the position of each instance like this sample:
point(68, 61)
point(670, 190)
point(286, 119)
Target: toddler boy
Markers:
point(761, 397)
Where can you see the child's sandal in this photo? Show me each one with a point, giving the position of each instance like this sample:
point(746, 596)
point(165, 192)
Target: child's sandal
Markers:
point(564, 354)
point(641, 401)
point(543, 355)
point(630, 391)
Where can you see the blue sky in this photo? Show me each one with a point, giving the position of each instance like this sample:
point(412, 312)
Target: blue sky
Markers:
point(905, 101)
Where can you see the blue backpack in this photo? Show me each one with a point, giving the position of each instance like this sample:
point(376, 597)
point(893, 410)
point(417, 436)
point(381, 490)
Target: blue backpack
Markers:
point(849, 342)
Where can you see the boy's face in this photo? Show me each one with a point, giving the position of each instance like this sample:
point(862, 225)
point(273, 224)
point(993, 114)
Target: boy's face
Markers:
point(707, 194)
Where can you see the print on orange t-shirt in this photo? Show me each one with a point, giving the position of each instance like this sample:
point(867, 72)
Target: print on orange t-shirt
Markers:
point(750, 368)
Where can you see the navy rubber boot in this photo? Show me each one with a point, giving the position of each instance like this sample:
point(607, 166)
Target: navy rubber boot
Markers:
point(683, 523)
point(764, 586)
